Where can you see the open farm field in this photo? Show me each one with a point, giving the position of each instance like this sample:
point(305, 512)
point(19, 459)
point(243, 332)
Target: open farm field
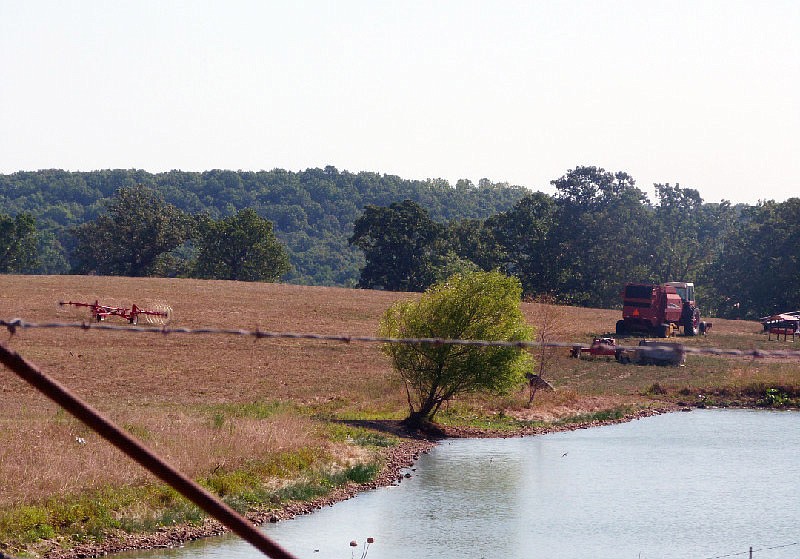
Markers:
point(201, 400)
point(217, 405)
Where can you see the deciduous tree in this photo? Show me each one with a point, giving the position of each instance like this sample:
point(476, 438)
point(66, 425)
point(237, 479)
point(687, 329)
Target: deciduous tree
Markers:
point(549, 323)
point(136, 230)
point(476, 306)
point(18, 241)
point(756, 273)
point(522, 237)
point(399, 243)
point(602, 235)
point(241, 247)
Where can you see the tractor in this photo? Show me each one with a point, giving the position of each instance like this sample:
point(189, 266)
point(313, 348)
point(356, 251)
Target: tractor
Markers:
point(660, 310)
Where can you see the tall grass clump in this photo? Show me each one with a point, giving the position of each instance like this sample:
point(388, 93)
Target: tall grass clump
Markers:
point(343, 433)
point(324, 483)
point(614, 414)
point(90, 516)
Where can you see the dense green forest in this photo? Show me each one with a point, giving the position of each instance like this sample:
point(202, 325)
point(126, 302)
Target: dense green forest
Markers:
point(326, 227)
point(313, 211)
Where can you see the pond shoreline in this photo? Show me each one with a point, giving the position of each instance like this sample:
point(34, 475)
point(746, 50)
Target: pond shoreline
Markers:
point(398, 459)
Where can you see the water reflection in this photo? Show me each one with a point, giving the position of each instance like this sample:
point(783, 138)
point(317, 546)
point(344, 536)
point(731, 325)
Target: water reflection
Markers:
point(698, 484)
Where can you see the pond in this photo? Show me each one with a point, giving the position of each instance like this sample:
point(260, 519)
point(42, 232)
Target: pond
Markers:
point(703, 484)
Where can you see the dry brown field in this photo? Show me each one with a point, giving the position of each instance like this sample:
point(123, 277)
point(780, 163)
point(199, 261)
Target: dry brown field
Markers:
point(211, 400)
point(176, 391)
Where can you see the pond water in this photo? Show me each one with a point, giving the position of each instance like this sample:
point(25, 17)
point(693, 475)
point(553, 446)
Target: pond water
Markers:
point(704, 484)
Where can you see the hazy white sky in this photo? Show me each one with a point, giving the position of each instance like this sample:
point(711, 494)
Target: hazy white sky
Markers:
point(701, 93)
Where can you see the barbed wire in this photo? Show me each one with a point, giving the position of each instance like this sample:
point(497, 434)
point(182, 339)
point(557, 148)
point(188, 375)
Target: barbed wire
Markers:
point(18, 323)
point(751, 551)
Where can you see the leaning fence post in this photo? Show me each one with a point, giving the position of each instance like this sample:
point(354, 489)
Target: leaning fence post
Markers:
point(141, 454)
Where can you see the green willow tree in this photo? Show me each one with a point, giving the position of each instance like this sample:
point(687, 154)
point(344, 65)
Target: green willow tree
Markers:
point(475, 306)
point(241, 247)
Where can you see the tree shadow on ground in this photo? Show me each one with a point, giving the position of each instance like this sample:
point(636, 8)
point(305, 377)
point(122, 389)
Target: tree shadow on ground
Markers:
point(427, 431)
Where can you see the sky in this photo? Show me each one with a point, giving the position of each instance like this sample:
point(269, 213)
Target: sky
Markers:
point(705, 94)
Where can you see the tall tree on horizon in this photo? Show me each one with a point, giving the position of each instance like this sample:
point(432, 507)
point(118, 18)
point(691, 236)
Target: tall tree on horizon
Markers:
point(241, 247)
point(18, 244)
point(523, 243)
point(137, 229)
point(399, 244)
point(602, 235)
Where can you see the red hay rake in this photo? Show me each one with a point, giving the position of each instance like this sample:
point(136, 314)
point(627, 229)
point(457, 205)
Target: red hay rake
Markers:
point(159, 314)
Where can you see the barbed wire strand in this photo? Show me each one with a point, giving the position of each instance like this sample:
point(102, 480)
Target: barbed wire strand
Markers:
point(751, 550)
point(653, 347)
point(141, 454)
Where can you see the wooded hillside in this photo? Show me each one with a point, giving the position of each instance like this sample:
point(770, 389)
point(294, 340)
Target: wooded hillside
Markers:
point(313, 211)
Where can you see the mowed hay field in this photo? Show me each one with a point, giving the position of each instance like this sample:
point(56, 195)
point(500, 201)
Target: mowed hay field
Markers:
point(214, 401)
point(187, 369)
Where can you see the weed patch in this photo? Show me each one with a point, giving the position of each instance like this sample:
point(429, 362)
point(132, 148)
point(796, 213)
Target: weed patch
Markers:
point(457, 416)
point(614, 414)
point(779, 397)
point(343, 433)
point(90, 516)
point(325, 483)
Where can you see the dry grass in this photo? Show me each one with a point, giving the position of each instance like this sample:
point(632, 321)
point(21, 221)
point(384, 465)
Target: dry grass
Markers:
point(209, 401)
point(186, 396)
point(44, 456)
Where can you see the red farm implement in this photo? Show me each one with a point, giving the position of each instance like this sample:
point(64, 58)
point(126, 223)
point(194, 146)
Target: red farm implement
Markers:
point(647, 353)
point(160, 314)
point(601, 347)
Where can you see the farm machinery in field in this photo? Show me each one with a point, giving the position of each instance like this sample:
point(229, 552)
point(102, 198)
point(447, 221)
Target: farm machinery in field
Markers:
point(159, 314)
point(783, 324)
point(600, 347)
point(647, 353)
point(660, 310)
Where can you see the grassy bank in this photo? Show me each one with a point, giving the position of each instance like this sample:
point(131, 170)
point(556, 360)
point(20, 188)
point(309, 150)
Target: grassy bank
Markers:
point(266, 423)
point(62, 522)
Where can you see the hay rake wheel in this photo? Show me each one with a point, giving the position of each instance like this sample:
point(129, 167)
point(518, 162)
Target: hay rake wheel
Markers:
point(159, 314)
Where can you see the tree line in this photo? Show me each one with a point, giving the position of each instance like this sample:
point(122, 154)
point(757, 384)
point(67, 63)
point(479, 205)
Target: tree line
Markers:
point(139, 235)
point(326, 227)
point(312, 211)
point(596, 233)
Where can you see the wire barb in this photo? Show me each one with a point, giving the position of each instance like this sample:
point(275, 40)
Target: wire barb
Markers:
point(12, 325)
